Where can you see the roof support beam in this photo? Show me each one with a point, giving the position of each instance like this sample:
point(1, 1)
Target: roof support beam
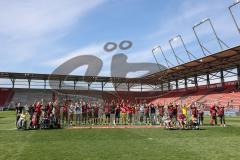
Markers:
point(185, 83)
point(238, 73)
point(29, 82)
point(13, 82)
point(196, 81)
point(208, 80)
point(74, 84)
point(222, 76)
point(176, 84)
point(45, 83)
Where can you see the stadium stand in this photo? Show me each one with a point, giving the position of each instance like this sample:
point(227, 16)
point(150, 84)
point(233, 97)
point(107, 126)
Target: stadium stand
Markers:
point(26, 96)
point(5, 96)
point(213, 94)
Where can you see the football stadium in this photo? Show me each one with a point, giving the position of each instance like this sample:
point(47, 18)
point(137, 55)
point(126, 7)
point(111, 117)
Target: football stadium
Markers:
point(117, 96)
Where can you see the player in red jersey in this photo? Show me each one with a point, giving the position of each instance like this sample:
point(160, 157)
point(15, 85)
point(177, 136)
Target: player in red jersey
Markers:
point(124, 107)
point(194, 111)
point(161, 113)
point(84, 112)
point(130, 114)
point(213, 114)
point(38, 107)
point(170, 110)
point(65, 112)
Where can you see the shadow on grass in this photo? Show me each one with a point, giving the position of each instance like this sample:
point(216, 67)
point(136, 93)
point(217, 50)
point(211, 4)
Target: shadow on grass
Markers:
point(176, 129)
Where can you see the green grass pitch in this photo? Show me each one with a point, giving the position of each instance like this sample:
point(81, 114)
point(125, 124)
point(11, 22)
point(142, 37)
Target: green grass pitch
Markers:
point(220, 143)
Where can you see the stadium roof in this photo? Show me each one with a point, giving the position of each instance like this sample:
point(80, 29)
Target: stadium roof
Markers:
point(227, 59)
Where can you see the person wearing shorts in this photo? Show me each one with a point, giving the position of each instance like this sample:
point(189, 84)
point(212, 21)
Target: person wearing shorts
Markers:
point(112, 112)
point(130, 114)
point(141, 112)
point(146, 113)
point(161, 114)
point(71, 112)
point(78, 111)
point(170, 110)
point(65, 113)
point(200, 114)
point(100, 113)
point(90, 113)
point(213, 114)
point(124, 113)
point(117, 114)
point(107, 113)
point(96, 110)
point(221, 115)
point(153, 114)
point(84, 113)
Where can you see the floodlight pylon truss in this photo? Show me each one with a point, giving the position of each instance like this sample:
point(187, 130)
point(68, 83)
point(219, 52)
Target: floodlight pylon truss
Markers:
point(203, 48)
point(179, 37)
point(232, 14)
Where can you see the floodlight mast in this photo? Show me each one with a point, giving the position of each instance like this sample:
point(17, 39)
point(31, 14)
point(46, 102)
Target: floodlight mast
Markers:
point(231, 12)
point(160, 48)
point(153, 50)
point(198, 40)
point(175, 55)
point(220, 42)
point(179, 37)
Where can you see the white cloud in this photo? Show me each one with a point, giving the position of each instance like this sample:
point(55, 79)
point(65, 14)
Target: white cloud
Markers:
point(29, 27)
point(37, 18)
point(190, 13)
point(93, 49)
point(144, 55)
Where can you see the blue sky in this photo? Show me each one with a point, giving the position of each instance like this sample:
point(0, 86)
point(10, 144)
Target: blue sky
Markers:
point(38, 36)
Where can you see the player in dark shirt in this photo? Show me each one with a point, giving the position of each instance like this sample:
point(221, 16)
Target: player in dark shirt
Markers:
point(84, 113)
point(117, 114)
point(221, 114)
point(153, 114)
point(96, 109)
point(65, 113)
point(146, 114)
point(170, 110)
point(174, 113)
point(107, 113)
point(112, 112)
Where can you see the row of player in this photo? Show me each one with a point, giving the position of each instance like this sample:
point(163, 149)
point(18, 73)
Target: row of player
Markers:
point(54, 114)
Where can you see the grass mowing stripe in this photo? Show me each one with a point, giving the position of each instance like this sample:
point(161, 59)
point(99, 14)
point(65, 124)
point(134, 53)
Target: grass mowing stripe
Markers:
point(140, 144)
